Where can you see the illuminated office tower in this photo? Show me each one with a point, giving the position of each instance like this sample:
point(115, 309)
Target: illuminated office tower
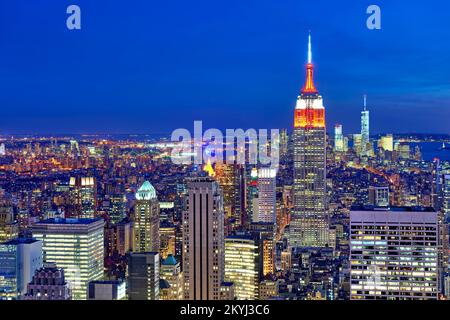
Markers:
point(231, 179)
point(146, 220)
point(203, 240)
point(387, 142)
point(309, 219)
point(357, 143)
point(338, 138)
point(365, 135)
point(403, 149)
point(19, 258)
point(143, 276)
point(83, 197)
point(446, 195)
point(9, 227)
point(171, 272)
point(168, 240)
point(117, 207)
point(267, 195)
point(264, 233)
point(2, 149)
point(48, 283)
point(76, 245)
point(284, 139)
point(252, 194)
point(394, 254)
point(241, 266)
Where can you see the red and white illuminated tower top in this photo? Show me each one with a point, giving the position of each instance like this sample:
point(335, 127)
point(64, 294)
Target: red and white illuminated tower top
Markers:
point(309, 111)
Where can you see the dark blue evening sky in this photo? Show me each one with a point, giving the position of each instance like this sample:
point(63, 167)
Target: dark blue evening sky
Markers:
point(144, 66)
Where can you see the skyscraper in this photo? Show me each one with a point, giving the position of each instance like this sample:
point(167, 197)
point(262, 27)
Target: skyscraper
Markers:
point(171, 272)
point(76, 245)
point(338, 138)
point(267, 195)
point(83, 197)
point(146, 220)
point(203, 240)
point(394, 254)
point(48, 283)
point(19, 258)
point(242, 265)
point(143, 276)
point(365, 137)
point(309, 220)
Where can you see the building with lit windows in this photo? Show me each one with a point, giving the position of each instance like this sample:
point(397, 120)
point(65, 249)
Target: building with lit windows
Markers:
point(264, 234)
point(338, 138)
point(77, 246)
point(267, 195)
point(48, 283)
point(83, 197)
point(19, 258)
point(309, 219)
point(446, 195)
point(146, 220)
point(387, 142)
point(231, 179)
point(143, 276)
point(365, 135)
point(394, 253)
point(241, 265)
point(9, 227)
point(203, 240)
point(171, 272)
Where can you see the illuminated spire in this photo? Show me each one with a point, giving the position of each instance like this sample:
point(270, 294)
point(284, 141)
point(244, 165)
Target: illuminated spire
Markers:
point(309, 87)
point(365, 102)
point(309, 48)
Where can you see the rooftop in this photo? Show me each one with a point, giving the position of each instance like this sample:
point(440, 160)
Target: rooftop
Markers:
point(69, 221)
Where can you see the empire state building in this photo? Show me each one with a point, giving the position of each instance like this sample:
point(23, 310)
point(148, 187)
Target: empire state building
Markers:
point(309, 221)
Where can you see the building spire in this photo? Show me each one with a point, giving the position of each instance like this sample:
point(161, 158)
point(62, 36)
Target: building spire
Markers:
point(309, 48)
point(365, 102)
point(309, 87)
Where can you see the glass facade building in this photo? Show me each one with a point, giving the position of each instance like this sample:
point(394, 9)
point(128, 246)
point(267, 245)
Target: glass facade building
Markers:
point(76, 245)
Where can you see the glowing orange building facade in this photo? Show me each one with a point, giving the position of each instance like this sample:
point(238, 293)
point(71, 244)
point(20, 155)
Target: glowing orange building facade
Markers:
point(309, 225)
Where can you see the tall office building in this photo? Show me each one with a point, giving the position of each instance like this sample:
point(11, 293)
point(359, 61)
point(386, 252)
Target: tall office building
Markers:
point(9, 227)
point(83, 197)
point(267, 195)
point(365, 135)
point(309, 220)
point(203, 240)
point(48, 283)
point(242, 266)
point(338, 138)
point(19, 258)
point(387, 142)
point(446, 195)
point(171, 272)
point(264, 233)
point(146, 220)
point(76, 245)
point(357, 143)
point(231, 179)
point(143, 276)
point(394, 254)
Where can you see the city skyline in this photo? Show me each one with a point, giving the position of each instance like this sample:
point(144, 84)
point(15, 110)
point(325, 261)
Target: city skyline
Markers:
point(319, 209)
point(102, 80)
